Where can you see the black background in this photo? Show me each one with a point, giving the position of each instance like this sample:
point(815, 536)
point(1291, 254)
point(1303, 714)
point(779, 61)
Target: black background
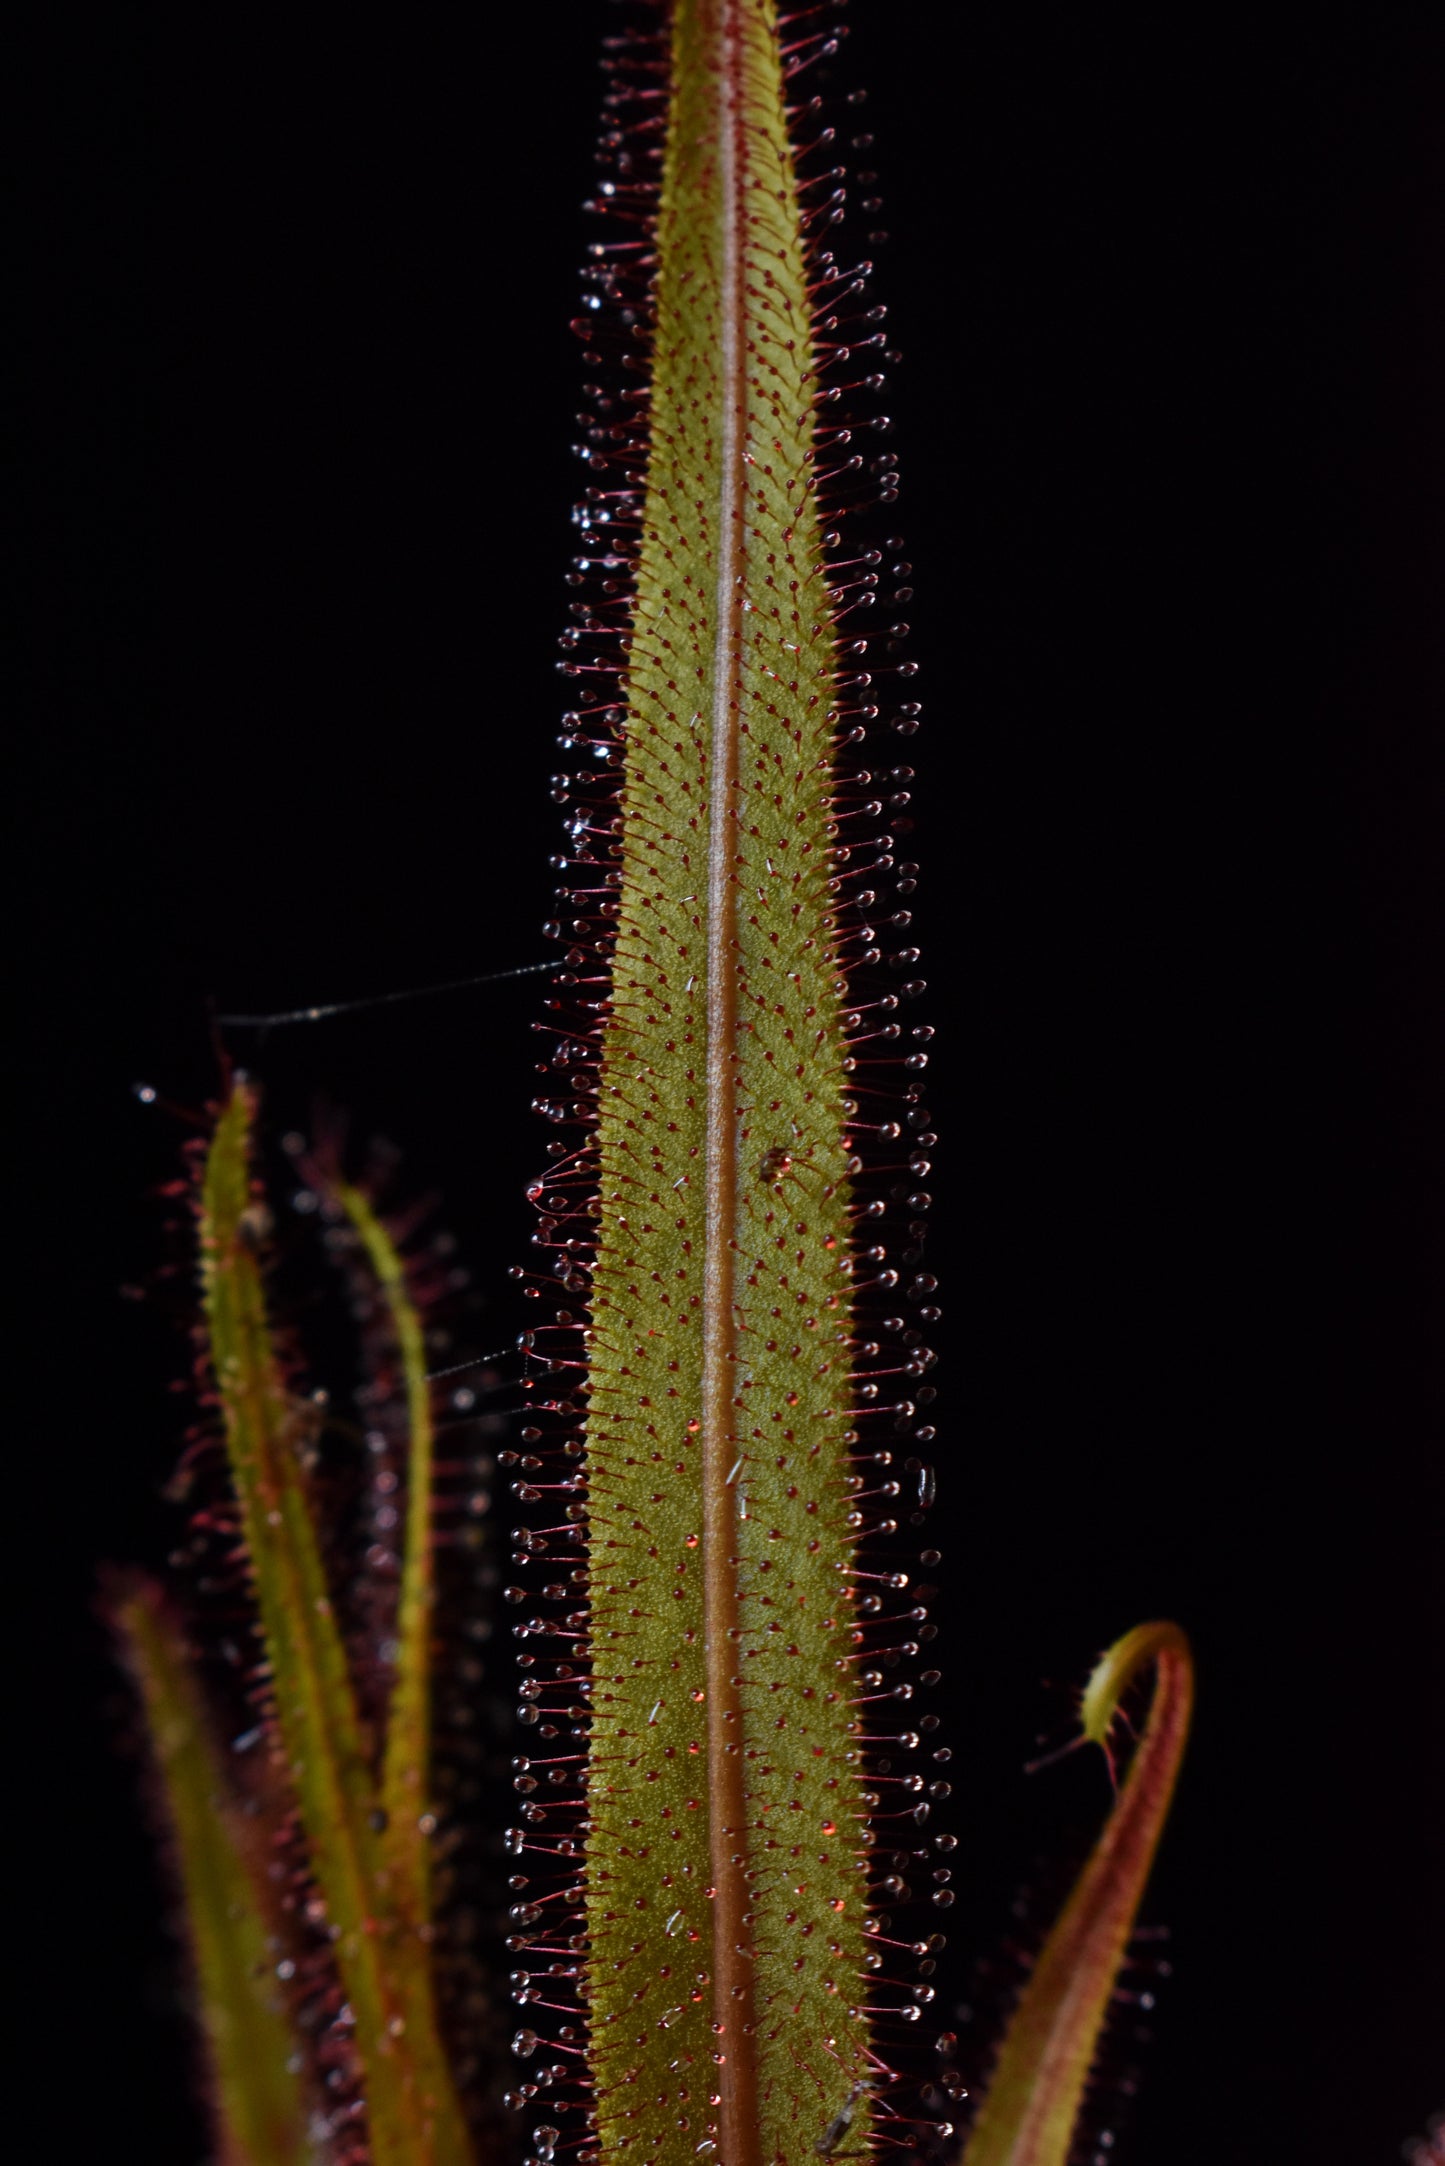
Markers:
point(1168, 291)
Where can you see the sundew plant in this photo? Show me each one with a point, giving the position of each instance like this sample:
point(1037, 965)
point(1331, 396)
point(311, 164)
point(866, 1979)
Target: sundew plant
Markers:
point(730, 1866)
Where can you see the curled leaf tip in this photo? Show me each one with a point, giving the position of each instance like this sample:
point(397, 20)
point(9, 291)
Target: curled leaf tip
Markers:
point(1118, 1667)
point(1030, 2112)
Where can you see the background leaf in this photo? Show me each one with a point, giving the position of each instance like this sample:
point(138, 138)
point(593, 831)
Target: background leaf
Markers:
point(382, 1948)
point(231, 1917)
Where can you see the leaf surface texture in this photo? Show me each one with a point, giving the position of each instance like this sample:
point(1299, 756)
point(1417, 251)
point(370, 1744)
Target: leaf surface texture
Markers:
point(725, 1895)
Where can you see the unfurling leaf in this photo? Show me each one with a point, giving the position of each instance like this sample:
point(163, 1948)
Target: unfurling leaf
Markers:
point(1029, 2114)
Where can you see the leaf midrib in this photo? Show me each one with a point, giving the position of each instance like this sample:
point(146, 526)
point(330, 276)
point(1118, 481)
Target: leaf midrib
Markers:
point(732, 1959)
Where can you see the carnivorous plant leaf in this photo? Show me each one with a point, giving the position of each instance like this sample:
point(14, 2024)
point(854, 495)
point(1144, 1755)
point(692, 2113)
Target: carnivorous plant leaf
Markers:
point(407, 1750)
point(725, 1885)
point(384, 1961)
point(258, 2097)
point(1029, 2115)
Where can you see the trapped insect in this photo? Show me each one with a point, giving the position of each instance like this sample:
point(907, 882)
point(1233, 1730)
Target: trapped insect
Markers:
point(827, 2144)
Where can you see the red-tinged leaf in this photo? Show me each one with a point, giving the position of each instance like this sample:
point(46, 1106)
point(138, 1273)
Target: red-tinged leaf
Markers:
point(1032, 2105)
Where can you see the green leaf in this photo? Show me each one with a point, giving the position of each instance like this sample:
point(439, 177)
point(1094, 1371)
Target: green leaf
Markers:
point(259, 2099)
point(725, 1879)
point(407, 1752)
point(1029, 2115)
point(382, 1950)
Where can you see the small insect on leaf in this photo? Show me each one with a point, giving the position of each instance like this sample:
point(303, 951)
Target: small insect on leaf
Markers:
point(827, 2144)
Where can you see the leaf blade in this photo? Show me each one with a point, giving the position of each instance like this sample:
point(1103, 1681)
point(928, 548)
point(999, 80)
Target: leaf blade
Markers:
point(259, 2099)
point(724, 1182)
point(407, 1749)
point(413, 2115)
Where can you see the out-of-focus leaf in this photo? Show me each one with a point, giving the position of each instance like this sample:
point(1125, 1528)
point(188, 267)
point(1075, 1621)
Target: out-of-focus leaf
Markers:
point(383, 1953)
point(258, 2095)
point(407, 1749)
point(1029, 2114)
